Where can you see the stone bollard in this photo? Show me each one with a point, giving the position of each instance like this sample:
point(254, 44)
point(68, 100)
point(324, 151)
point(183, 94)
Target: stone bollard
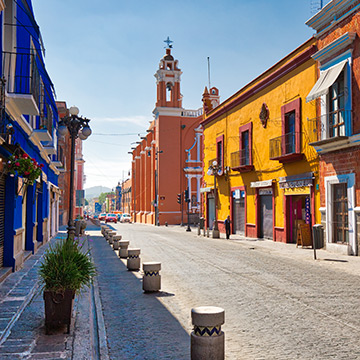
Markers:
point(103, 229)
point(133, 260)
point(207, 339)
point(123, 253)
point(111, 234)
point(107, 234)
point(151, 278)
point(116, 239)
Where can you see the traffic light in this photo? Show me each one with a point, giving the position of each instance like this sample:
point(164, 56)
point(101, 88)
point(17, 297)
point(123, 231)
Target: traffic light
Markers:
point(186, 195)
point(179, 198)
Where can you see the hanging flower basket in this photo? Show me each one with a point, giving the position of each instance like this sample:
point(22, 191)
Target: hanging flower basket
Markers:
point(24, 166)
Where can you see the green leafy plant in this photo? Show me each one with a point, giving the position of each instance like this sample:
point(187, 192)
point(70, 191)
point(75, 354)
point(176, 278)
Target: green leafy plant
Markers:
point(66, 266)
point(24, 166)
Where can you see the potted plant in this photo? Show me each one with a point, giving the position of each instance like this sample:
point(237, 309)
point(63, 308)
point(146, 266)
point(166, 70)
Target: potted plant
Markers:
point(66, 269)
point(24, 166)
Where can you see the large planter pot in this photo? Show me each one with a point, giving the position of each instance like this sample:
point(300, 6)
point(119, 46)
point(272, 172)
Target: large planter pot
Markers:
point(58, 309)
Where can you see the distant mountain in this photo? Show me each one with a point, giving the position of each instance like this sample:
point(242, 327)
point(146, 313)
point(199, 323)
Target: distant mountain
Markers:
point(95, 191)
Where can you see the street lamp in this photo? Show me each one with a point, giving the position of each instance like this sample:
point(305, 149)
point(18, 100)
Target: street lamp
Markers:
point(213, 170)
point(77, 126)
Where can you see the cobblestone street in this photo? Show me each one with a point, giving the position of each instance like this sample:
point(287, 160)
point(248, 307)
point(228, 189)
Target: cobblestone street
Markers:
point(276, 307)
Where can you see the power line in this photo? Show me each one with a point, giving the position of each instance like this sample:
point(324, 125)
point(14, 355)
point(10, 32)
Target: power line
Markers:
point(128, 134)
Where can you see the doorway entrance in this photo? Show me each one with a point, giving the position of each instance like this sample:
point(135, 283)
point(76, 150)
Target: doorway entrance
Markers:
point(266, 216)
point(299, 213)
point(238, 214)
point(210, 211)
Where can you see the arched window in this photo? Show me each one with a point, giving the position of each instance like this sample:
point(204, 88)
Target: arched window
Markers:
point(169, 88)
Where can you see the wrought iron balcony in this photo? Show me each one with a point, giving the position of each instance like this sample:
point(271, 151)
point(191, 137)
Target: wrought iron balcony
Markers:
point(241, 161)
point(329, 127)
point(22, 82)
point(286, 148)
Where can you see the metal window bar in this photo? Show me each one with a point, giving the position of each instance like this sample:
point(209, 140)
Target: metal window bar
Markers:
point(340, 218)
point(329, 125)
point(240, 158)
point(283, 145)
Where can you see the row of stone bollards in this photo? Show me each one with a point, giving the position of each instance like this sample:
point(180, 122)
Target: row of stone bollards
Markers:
point(151, 270)
point(207, 338)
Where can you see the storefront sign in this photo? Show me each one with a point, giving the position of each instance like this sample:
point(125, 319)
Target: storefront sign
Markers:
point(265, 183)
point(238, 194)
point(296, 181)
point(206, 189)
point(265, 192)
point(307, 210)
point(302, 190)
point(294, 184)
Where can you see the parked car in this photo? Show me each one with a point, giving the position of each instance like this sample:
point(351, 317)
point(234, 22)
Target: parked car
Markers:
point(111, 218)
point(102, 216)
point(125, 218)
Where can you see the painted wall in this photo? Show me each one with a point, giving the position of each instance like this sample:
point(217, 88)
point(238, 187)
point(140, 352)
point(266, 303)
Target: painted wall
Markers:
point(275, 92)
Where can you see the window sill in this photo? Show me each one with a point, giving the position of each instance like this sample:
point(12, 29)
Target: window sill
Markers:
point(243, 168)
point(289, 158)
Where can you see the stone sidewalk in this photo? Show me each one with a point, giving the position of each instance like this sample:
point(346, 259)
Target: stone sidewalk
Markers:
point(22, 327)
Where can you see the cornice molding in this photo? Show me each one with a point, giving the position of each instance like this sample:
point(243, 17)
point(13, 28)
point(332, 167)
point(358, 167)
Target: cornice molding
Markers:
point(261, 85)
point(335, 46)
point(327, 17)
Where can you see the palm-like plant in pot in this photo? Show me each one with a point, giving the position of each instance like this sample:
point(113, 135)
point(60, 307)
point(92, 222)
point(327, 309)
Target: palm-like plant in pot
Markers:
point(66, 269)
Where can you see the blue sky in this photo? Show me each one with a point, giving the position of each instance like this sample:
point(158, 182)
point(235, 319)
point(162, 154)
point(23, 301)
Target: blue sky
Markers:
point(102, 55)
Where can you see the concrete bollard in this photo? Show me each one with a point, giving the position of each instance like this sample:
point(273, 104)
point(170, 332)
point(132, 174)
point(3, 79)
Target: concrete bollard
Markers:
point(207, 339)
point(133, 260)
point(151, 278)
point(116, 239)
point(123, 253)
point(107, 234)
point(111, 235)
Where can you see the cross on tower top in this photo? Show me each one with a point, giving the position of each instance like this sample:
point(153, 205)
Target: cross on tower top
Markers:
point(168, 42)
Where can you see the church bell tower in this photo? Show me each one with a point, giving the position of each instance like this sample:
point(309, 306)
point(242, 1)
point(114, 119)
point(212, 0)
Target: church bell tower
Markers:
point(168, 82)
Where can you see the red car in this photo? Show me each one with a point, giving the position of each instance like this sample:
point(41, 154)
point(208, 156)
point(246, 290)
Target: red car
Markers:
point(111, 218)
point(102, 217)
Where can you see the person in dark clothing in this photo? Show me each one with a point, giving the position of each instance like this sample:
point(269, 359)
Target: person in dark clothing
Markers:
point(227, 227)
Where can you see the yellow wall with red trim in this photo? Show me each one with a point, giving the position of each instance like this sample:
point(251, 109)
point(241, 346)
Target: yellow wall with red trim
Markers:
point(296, 84)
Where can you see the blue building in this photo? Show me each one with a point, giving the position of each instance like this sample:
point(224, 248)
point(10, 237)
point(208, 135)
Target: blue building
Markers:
point(28, 130)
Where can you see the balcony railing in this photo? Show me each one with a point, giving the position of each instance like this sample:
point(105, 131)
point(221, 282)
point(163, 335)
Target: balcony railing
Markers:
point(328, 126)
point(240, 160)
point(22, 81)
point(286, 147)
point(46, 119)
point(192, 113)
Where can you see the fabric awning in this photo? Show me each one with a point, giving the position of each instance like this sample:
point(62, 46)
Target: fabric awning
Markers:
point(326, 79)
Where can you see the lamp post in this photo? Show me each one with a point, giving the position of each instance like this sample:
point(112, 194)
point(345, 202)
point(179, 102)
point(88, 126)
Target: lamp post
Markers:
point(213, 170)
point(78, 127)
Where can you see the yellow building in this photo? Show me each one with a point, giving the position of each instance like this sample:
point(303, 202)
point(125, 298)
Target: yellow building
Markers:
point(266, 172)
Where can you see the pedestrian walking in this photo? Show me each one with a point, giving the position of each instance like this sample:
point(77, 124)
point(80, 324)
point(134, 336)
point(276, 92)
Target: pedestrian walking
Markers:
point(227, 227)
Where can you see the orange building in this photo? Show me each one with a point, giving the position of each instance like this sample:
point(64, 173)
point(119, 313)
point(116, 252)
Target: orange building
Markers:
point(167, 161)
